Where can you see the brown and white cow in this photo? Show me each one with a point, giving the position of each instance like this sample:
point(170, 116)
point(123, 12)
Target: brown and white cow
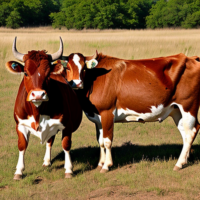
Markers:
point(118, 90)
point(44, 105)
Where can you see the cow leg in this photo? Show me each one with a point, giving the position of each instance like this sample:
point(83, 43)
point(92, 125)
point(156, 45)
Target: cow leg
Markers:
point(108, 126)
point(188, 127)
point(66, 144)
point(47, 157)
point(22, 146)
point(100, 139)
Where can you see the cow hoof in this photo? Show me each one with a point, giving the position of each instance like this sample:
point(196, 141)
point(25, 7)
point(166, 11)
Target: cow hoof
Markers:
point(68, 175)
point(17, 177)
point(99, 168)
point(176, 168)
point(104, 171)
point(46, 165)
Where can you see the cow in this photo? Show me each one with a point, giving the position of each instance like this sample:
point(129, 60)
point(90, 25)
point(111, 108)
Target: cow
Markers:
point(45, 104)
point(148, 90)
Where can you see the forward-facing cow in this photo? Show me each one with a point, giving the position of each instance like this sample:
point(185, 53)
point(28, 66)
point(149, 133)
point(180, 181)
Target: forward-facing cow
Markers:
point(118, 90)
point(44, 105)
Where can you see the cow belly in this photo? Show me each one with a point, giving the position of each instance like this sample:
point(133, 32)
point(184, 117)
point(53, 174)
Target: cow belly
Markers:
point(158, 113)
point(47, 127)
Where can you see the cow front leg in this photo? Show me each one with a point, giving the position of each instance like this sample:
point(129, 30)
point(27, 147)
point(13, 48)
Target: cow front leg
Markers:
point(100, 140)
point(108, 126)
point(66, 144)
point(22, 146)
point(47, 157)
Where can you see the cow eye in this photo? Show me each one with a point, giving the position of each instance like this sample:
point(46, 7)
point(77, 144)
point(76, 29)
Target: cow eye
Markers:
point(25, 74)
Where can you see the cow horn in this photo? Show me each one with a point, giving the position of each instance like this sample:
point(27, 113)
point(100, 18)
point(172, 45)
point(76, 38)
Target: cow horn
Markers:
point(17, 55)
point(92, 57)
point(59, 53)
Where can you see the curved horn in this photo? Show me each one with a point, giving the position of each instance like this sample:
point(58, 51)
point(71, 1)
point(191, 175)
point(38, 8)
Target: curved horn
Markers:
point(92, 57)
point(17, 55)
point(59, 53)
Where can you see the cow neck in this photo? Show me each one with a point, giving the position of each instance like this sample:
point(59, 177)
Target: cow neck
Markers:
point(36, 115)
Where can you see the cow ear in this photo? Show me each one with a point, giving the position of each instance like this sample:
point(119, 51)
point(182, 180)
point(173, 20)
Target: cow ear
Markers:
point(91, 63)
point(64, 68)
point(58, 67)
point(14, 67)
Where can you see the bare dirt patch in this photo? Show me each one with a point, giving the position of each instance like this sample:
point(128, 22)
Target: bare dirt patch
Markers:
point(122, 192)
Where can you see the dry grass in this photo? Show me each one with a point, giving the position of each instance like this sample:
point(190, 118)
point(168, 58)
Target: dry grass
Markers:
point(144, 154)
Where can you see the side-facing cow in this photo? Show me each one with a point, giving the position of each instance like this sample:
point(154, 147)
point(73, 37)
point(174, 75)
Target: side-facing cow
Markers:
point(118, 90)
point(44, 105)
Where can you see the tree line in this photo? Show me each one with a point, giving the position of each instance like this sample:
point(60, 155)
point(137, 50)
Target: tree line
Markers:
point(100, 14)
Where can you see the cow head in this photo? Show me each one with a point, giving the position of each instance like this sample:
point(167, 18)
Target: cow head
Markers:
point(37, 71)
point(75, 65)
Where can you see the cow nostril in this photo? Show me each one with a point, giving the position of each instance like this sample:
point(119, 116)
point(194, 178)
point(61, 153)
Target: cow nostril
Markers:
point(42, 94)
point(32, 94)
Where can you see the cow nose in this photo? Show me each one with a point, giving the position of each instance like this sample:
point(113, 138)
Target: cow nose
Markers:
point(37, 95)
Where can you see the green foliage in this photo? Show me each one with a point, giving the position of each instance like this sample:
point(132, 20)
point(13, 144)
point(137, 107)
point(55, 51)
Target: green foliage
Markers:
point(16, 13)
point(174, 13)
point(102, 14)
point(14, 19)
point(5, 11)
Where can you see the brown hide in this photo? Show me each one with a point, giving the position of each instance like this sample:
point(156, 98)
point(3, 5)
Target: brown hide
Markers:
point(140, 84)
point(62, 103)
point(147, 90)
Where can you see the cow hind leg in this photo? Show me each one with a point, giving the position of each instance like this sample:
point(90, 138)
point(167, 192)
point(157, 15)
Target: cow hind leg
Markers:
point(66, 144)
point(22, 146)
point(188, 127)
point(47, 157)
point(100, 140)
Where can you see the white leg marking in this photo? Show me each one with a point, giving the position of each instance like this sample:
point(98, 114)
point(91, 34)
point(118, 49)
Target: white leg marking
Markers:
point(20, 165)
point(47, 157)
point(102, 152)
point(108, 161)
point(68, 162)
point(186, 126)
point(97, 120)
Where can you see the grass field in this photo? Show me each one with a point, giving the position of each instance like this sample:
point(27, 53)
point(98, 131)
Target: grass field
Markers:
point(144, 154)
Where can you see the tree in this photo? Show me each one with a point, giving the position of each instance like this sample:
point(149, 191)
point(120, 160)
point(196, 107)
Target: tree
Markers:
point(174, 13)
point(101, 14)
point(5, 12)
point(14, 19)
point(155, 19)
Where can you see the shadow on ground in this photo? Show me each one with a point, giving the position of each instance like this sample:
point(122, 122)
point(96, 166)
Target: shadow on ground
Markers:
point(129, 153)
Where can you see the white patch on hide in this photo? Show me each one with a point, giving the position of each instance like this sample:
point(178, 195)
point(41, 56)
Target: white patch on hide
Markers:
point(76, 60)
point(47, 127)
point(157, 113)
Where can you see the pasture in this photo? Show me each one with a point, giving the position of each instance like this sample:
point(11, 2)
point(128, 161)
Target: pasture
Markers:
point(143, 154)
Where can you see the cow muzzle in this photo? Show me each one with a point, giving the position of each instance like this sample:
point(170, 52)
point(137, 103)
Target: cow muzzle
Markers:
point(37, 97)
point(76, 84)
